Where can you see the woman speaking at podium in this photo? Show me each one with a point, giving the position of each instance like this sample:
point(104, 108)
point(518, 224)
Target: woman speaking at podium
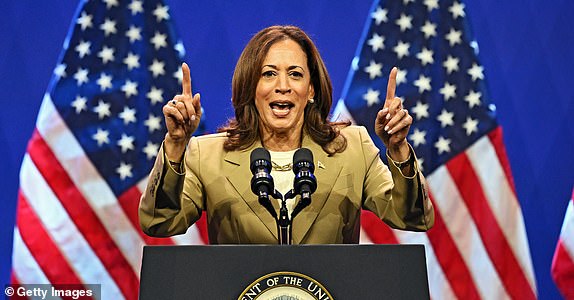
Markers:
point(282, 96)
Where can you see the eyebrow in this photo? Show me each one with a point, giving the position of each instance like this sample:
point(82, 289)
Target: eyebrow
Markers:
point(289, 68)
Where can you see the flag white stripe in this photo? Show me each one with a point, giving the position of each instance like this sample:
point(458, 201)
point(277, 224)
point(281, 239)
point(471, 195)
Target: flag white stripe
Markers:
point(364, 237)
point(341, 113)
point(25, 267)
point(439, 285)
point(142, 184)
point(465, 234)
point(63, 231)
point(87, 179)
point(567, 231)
point(191, 237)
point(502, 202)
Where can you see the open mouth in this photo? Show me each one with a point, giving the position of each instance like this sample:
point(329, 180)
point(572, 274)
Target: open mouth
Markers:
point(281, 108)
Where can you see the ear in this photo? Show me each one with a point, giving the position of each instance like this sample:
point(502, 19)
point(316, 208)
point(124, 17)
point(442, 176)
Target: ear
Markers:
point(311, 93)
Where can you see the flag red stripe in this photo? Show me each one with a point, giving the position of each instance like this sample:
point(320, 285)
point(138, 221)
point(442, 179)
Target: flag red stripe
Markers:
point(498, 248)
point(563, 271)
point(14, 281)
point(129, 201)
point(450, 259)
point(45, 251)
point(14, 278)
point(378, 232)
point(83, 216)
point(201, 225)
point(41, 246)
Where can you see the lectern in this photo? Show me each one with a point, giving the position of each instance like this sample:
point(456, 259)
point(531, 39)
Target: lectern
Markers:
point(302, 272)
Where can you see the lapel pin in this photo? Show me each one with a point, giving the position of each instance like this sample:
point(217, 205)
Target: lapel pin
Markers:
point(320, 165)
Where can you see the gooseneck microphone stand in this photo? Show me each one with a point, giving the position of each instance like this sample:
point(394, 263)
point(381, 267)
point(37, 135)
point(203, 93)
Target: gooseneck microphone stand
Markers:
point(284, 222)
point(262, 185)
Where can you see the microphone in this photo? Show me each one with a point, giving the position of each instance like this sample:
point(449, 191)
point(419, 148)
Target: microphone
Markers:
point(303, 167)
point(305, 182)
point(262, 182)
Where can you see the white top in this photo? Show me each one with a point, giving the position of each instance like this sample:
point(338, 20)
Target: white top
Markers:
point(283, 180)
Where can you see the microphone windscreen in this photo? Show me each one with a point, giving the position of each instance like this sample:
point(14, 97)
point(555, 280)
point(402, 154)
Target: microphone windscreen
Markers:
point(302, 155)
point(260, 153)
point(260, 157)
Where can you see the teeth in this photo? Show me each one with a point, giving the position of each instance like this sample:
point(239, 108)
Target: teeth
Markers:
point(281, 105)
point(281, 109)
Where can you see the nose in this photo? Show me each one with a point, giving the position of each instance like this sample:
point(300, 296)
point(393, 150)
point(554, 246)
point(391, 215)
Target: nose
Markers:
point(283, 85)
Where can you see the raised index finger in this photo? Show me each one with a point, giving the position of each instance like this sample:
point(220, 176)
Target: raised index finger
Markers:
point(391, 86)
point(186, 80)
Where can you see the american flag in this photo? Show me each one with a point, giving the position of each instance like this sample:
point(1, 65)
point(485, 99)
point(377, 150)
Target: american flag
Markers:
point(563, 262)
point(97, 134)
point(478, 247)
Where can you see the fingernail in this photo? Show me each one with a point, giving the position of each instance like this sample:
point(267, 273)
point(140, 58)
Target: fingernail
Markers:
point(390, 131)
point(388, 116)
point(386, 127)
point(193, 117)
point(385, 110)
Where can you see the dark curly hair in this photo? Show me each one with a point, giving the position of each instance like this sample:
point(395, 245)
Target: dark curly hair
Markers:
point(243, 130)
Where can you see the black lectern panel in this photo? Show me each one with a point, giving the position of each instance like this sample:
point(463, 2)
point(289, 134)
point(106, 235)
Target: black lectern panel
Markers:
point(224, 272)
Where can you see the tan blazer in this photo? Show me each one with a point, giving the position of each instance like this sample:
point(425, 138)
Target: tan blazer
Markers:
point(218, 182)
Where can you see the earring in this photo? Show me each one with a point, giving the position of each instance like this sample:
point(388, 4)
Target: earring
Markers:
point(311, 100)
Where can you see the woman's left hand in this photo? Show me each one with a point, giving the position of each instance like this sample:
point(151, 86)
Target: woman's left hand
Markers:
point(393, 122)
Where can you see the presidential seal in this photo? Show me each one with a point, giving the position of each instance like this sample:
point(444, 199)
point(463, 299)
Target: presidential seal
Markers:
point(285, 286)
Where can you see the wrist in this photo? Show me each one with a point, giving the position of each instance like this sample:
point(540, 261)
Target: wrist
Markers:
point(174, 149)
point(403, 163)
point(400, 152)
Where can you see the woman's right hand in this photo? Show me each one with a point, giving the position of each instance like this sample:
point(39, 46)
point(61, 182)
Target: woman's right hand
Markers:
point(182, 115)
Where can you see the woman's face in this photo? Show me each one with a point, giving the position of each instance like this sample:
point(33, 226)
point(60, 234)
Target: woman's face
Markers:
point(284, 89)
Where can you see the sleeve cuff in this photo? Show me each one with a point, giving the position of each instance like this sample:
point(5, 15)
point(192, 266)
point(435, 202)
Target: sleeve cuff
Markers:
point(176, 168)
point(412, 160)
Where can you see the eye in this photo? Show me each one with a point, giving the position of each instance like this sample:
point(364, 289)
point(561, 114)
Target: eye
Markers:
point(268, 74)
point(296, 74)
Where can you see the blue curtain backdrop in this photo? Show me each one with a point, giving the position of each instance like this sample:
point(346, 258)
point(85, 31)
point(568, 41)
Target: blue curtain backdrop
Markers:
point(525, 48)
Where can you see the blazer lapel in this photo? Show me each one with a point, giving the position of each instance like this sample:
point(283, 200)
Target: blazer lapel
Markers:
point(238, 173)
point(326, 171)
